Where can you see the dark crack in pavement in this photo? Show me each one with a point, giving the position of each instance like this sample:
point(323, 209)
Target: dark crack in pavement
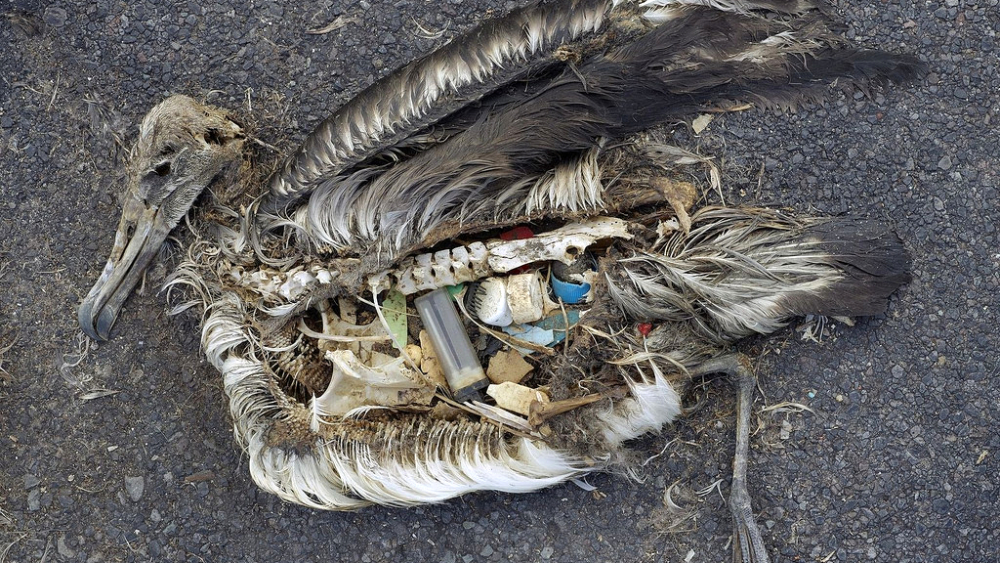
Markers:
point(127, 454)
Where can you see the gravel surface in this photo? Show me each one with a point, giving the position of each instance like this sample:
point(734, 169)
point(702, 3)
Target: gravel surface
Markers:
point(128, 455)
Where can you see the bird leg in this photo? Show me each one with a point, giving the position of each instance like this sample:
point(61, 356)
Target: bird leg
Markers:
point(748, 546)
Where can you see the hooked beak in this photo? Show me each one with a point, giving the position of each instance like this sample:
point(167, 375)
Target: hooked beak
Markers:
point(183, 148)
point(137, 241)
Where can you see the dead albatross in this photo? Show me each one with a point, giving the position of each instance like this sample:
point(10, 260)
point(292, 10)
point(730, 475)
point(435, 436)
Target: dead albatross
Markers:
point(497, 198)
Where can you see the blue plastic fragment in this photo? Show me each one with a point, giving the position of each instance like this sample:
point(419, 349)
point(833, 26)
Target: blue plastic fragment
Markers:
point(547, 332)
point(570, 292)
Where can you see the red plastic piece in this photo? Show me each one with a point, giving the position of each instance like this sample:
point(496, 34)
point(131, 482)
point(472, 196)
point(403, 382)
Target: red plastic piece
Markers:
point(517, 233)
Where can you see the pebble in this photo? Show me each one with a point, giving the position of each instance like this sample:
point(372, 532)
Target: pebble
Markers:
point(56, 17)
point(944, 163)
point(134, 486)
point(63, 549)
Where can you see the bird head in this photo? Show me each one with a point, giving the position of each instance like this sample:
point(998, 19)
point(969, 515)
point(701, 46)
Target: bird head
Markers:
point(183, 148)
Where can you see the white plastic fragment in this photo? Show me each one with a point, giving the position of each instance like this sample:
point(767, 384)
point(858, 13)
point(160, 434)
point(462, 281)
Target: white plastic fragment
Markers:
point(489, 303)
point(514, 397)
point(524, 297)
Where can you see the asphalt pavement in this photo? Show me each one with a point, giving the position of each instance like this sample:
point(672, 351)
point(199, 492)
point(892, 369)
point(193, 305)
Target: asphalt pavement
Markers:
point(123, 451)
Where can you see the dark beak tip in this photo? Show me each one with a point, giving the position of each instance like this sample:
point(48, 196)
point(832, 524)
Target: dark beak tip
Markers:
point(98, 328)
point(105, 321)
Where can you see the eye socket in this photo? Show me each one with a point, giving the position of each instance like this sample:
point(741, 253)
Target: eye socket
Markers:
point(162, 169)
point(215, 137)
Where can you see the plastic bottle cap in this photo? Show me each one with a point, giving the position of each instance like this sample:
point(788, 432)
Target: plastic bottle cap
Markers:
point(489, 304)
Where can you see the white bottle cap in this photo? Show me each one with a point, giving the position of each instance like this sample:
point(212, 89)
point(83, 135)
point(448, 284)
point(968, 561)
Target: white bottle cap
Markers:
point(524, 296)
point(489, 304)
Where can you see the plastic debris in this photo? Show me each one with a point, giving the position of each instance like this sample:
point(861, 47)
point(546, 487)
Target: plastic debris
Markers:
point(515, 398)
point(429, 363)
point(394, 311)
point(451, 343)
point(548, 331)
point(556, 322)
point(517, 233)
point(508, 365)
point(570, 292)
point(524, 296)
point(415, 354)
point(488, 302)
point(531, 333)
point(572, 282)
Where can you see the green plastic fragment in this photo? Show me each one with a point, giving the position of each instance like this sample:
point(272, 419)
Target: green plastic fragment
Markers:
point(454, 290)
point(394, 310)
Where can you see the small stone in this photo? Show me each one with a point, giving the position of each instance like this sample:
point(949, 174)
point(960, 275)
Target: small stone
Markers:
point(34, 500)
point(897, 371)
point(155, 516)
point(547, 552)
point(30, 481)
point(938, 204)
point(64, 549)
point(56, 17)
point(134, 487)
point(944, 163)
point(487, 551)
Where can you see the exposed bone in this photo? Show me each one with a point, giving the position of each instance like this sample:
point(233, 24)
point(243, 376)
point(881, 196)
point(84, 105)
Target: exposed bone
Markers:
point(444, 267)
point(354, 384)
point(563, 244)
point(478, 260)
point(681, 196)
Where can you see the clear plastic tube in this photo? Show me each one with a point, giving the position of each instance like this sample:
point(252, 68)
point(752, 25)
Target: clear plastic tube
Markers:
point(451, 342)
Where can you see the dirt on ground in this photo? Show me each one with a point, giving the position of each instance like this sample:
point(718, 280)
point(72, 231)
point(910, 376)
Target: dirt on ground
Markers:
point(124, 452)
